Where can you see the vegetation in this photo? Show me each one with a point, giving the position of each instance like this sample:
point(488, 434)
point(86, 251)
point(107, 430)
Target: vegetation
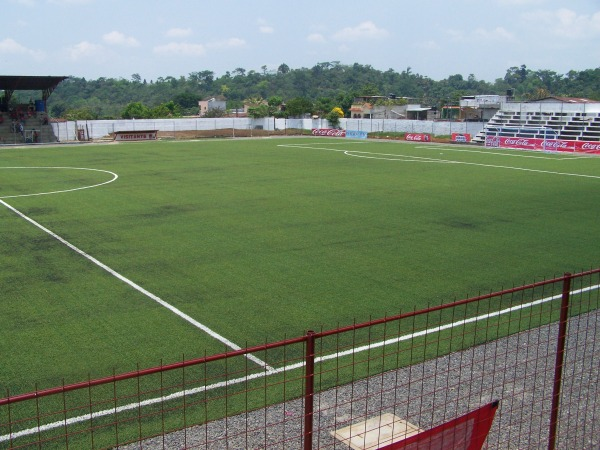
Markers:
point(315, 90)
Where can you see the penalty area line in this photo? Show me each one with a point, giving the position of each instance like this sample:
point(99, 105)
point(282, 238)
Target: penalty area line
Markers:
point(138, 288)
point(299, 365)
point(414, 158)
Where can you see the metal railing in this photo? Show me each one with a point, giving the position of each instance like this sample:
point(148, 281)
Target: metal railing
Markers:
point(531, 347)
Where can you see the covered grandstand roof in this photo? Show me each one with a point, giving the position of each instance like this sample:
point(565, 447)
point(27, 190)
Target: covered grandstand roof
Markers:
point(11, 83)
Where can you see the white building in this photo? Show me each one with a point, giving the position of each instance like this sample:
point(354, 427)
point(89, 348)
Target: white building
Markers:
point(209, 103)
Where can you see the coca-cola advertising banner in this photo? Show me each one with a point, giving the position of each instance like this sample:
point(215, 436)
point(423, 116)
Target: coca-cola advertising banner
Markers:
point(417, 137)
point(328, 132)
point(556, 145)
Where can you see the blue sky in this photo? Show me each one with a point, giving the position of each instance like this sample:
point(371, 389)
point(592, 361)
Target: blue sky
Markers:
point(436, 38)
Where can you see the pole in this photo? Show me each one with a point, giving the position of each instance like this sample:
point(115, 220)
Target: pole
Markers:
point(309, 389)
point(560, 354)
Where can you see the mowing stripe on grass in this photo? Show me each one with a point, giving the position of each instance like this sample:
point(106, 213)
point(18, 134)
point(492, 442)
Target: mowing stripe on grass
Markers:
point(273, 371)
point(138, 288)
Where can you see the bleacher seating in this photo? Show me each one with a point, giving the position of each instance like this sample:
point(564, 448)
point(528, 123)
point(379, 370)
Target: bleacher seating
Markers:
point(36, 129)
point(579, 126)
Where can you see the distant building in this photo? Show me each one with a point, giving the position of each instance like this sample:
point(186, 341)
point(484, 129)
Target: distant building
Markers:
point(481, 108)
point(209, 103)
point(390, 107)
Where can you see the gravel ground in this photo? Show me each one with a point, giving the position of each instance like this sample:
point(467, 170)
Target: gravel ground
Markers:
point(517, 370)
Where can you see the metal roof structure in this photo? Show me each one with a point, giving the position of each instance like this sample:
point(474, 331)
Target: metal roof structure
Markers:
point(11, 83)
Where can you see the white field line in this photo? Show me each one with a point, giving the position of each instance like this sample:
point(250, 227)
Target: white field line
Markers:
point(176, 395)
point(114, 177)
point(138, 288)
point(412, 158)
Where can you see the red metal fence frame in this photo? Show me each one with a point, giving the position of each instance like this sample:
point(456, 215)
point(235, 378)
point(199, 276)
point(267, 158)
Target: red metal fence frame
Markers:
point(311, 432)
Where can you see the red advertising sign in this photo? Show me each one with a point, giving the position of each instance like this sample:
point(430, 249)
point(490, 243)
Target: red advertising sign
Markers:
point(555, 145)
point(328, 132)
point(417, 137)
point(461, 137)
point(587, 147)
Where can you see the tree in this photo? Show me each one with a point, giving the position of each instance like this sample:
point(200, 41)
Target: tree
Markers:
point(323, 105)
point(206, 78)
point(274, 104)
point(80, 114)
point(109, 97)
point(369, 89)
point(334, 116)
point(283, 69)
point(537, 94)
point(239, 72)
point(215, 112)
point(168, 109)
point(263, 87)
point(258, 112)
point(186, 99)
point(516, 75)
point(136, 110)
point(58, 109)
point(298, 107)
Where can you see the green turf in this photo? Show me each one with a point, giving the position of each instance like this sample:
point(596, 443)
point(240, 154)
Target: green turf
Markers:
point(260, 241)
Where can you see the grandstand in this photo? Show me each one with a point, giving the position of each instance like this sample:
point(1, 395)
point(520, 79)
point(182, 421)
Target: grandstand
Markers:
point(26, 122)
point(571, 119)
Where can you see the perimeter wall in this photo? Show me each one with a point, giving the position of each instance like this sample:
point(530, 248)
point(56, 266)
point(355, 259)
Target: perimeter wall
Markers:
point(103, 129)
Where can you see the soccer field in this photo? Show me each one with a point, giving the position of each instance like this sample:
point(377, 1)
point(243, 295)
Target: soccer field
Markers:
point(121, 256)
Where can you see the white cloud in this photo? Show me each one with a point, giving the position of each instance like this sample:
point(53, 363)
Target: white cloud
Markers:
point(495, 34)
point(85, 50)
point(428, 45)
point(565, 23)
point(481, 34)
point(189, 49)
point(456, 35)
point(266, 29)
point(364, 30)
point(520, 2)
point(316, 37)
point(179, 32)
point(70, 2)
point(118, 38)
point(12, 47)
point(27, 3)
point(181, 48)
point(227, 43)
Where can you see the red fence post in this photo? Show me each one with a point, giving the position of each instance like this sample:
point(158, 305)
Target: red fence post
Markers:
point(309, 390)
point(560, 355)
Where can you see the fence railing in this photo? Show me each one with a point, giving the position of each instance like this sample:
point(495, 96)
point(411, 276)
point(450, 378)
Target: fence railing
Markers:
point(533, 348)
